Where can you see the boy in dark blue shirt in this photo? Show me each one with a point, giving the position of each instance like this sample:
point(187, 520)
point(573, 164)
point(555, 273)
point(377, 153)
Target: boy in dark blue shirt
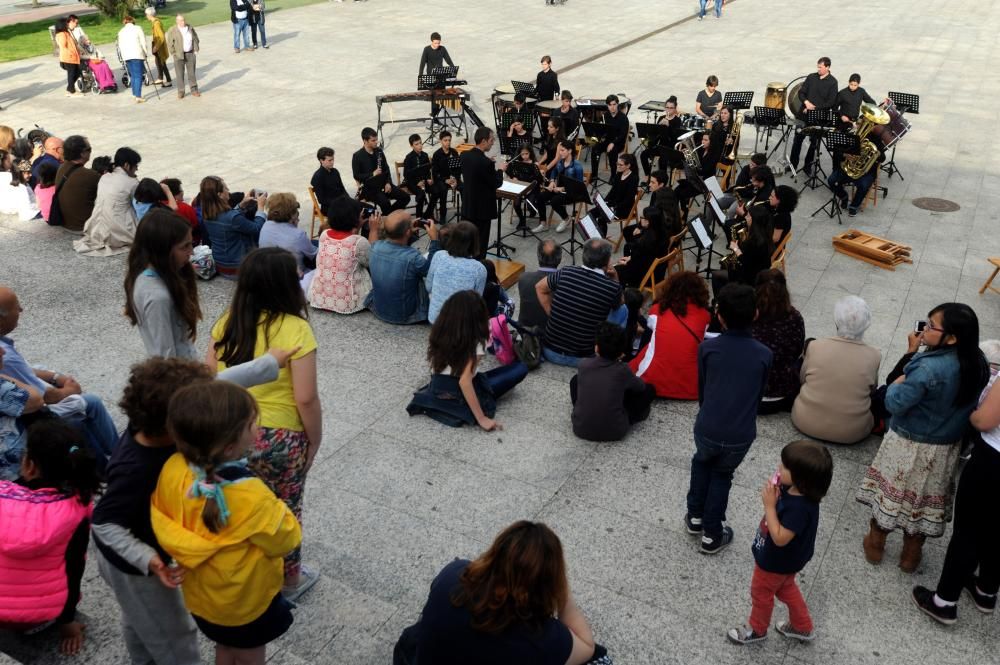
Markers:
point(732, 374)
point(785, 541)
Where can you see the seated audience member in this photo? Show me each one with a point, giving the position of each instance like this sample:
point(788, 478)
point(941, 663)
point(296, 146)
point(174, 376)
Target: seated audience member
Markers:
point(503, 607)
point(61, 392)
point(232, 234)
point(397, 270)
point(783, 201)
point(17, 399)
point(607, 397)
point(663, 197)
point(457, 393)
point(577, 299)
point(456, 268)
point(110, 228)
point(838, 375)
point(53, 153)
point(531, 312)
point(45, 189)
point(282, 230)
point(624, 185)
point(645, 241)
point(677, 323)
point(326, 182)
point(341, 282)
point(497, 300)
point(184, 209)
point(779, 327)
point(150, 194)
point(76, 185)
point(16, 196)
point(103, 165)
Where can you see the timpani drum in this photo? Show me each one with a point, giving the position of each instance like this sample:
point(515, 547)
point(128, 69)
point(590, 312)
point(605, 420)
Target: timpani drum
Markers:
point(774, 98)
point(545, 108)
point(503, 89)
point(895, 129)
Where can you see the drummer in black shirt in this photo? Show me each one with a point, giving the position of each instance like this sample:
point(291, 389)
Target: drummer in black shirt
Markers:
point(444, 177)
point(326, 182)
point(547, 81)
point(616, 138)
point(671, 119)
point(369, 162)
point(818, 93)
point(849, 100)
point(569, 114)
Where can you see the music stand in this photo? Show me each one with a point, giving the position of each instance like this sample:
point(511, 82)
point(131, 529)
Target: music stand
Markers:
point(597, 132)
point(445, 72)
point(652, 108)
point(817, 122)
point(653, 135)
point(576, 192)
point(738, 100)
point(527, 88)
point(848, 144)
point(767, 120)
point(511, 145)
point(512, 191)
point(906, 103)
point(507, 118)
point(436, 82)
point(507, 192)
point(372, 186)
point(601, 213)
point(455, 169)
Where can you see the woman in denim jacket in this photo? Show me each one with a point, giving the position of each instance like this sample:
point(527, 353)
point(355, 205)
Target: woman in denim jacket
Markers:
point(232, 234)
point(909, 484)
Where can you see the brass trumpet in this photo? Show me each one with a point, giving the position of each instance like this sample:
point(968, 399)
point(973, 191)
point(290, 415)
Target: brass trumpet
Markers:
point(738, 232)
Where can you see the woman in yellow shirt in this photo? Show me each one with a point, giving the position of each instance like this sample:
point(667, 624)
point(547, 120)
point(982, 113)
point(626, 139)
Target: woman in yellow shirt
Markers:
point(269, 310)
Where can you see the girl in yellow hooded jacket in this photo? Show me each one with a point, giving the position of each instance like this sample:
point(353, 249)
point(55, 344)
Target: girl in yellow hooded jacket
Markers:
point(222, 525)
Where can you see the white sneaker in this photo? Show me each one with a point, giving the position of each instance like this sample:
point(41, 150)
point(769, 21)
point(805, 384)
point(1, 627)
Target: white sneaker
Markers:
point(541, 227)
point(562, 226)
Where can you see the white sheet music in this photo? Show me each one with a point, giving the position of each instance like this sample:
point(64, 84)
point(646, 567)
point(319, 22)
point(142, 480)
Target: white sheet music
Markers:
point(589, 228)
point(603, 205)
point(700, 233)
point(713, 186)
point(718, 211)
point(510, 187)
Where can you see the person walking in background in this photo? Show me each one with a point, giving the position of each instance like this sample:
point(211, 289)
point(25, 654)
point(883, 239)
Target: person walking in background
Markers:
point(132, 46)
point(69, 56)
point(704, 5)
point(182, 43)
point(239, 14)
point(256, 19)
point(160, 52)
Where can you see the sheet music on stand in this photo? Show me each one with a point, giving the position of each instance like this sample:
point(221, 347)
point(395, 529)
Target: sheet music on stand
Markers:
point(604, 208)
point(738, 100)
point(906, 102)
point(589, 228)
point(765, 116)
point(700, 233)
point(719, 215)
point(445, 72)
point(844, 142)
point(508, 118)
point(512, 189)
point(713, 186)
point(527, 88)
point(820, 118)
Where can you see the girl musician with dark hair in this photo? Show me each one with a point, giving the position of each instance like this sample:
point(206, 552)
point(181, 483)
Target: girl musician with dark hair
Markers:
point(722, 133)
point(554, 135)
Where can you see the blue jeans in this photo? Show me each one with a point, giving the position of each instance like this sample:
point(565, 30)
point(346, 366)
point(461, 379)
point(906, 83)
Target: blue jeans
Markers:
point(502, 379)
point(241, 27)
point(560, 358)
point(712, 468)
point(718, 8)
point(838, 179)
point(98, 429)
point(136, 70)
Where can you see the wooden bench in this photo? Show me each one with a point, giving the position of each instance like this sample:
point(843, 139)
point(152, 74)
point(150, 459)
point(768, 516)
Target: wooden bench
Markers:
point(508, 272)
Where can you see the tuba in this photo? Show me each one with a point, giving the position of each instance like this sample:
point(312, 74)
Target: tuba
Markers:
point(734, 136)
point(739, 232)
point(687, 148)
point(856, 166)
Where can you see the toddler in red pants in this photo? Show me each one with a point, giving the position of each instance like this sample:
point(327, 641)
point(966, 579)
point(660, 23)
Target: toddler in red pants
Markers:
point(785, 540)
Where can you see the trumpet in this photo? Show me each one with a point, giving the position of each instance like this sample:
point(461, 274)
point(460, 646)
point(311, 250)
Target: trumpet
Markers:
point(739, 232)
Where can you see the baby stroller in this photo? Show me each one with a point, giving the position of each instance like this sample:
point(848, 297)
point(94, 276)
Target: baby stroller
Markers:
point(147, 78)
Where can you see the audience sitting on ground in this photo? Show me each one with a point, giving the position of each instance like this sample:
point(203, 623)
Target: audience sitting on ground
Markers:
point(838, 376)
point(341, 282)
point(511, 605)
point(663, 197)
point(577, 299)
point(16, 196)
point(645, 241)
point(52, 154)
point(232, 234)
point(398, 270)
point(150, 194)
point(455, 268)
point(184, 209)
point(779, 327)
point(45, 189)
point(103, 165)
point(549, 254)
point(457, 393)
point(18, 401)
point(282, 230)
point(7, 138)
point(676, 323)
point(75, 185)
point(61, 392)
point(326, 182)
point(110, 229)
point(607, 397)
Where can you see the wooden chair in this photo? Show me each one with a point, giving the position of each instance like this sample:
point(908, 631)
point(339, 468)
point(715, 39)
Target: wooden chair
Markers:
point(676, 242)
point(399, 179)
point(995, 261)
point(724, 172)
point(317, 214)
point(778, 257)
point(674, 262)
point(633, 215)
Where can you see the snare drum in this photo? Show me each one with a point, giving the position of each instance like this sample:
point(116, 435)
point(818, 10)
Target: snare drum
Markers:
point(775, 96)
point(549, 105)
point(895, 129)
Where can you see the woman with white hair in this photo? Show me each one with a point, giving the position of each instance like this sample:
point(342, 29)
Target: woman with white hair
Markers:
point(838, 375)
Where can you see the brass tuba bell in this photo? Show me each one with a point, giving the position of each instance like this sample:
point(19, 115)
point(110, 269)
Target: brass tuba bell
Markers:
point(856, 166)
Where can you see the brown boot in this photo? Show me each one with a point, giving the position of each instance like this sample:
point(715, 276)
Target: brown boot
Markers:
point(910, 557)
point(874, 543)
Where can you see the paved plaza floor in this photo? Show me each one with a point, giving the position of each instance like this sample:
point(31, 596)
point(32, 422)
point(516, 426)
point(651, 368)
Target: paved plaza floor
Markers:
point(392, 499)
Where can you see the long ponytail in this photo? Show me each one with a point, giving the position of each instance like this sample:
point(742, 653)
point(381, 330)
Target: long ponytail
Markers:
point(64, 462)
point(960, 320)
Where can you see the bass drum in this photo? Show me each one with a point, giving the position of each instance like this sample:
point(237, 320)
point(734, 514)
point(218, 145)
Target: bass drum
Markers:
point(775, 96)
point(793, 101)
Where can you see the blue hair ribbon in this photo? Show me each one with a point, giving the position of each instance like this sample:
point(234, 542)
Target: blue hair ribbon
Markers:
point(210, 491)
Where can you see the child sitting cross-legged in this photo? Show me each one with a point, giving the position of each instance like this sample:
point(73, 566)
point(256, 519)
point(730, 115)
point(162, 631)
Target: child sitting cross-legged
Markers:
point(785, 540)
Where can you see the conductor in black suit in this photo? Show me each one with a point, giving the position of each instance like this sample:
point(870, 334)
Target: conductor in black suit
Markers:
point(480, 181)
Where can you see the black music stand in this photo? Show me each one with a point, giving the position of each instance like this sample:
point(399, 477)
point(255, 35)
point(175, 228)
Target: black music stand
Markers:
point(527, 88)
point(598, 131)
point(436, 82)
point(511, 145)
point(373, 186)
point(818, 121)
point(455, 169)
point(847, 144)
point(738, 100)
point(514, 200)
point(767, 120)
point(576, 192)
point(653, 135)
point(704, 243)
point(906, 103)
point(507, 118)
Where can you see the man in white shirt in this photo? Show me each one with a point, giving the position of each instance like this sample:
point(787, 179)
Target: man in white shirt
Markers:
point(182, 42)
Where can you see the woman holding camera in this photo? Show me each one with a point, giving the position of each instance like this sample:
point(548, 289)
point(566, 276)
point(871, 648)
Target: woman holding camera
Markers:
point(232, 232)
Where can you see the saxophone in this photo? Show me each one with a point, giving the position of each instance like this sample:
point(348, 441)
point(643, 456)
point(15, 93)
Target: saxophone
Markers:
point(856, 166)
point(739, 232)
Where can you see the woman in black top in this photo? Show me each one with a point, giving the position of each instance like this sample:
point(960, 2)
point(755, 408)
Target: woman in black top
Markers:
point(554, 134)
point(527, 156)
point(755, 252)
point(721, 131)
point(783, 201)
point(645, 241)
point(623, 186)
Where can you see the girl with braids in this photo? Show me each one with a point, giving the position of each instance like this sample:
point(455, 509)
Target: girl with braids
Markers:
point(910, 483)
point(44, 531)
point(161, 294)
point(221, 524)
point(269, 310)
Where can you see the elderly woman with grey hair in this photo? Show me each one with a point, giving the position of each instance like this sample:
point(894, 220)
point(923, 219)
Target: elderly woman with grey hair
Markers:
point(838, 376)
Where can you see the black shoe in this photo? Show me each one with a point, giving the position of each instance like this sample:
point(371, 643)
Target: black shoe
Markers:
point(984, 603)
point(924, 599)
point(852, 212)
point(842, 200)
point(715, 545)
point(692, 525)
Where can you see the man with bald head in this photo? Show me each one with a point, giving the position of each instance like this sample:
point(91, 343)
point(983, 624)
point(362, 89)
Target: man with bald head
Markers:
point(182, 43)
point(61, 392)
point(398, 294)
point(53, 155)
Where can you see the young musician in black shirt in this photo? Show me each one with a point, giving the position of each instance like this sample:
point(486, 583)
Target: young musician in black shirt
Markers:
point(709, 99)
point(658, 149)
point(369, 162)
point(708, 156)
point(783, 201)
point(434, 55)
point(547, 81)
point(850, 98)
point(569, 114)
point(554, 135)
point(818, 93)
point(663, 197)
point(445, 173)
point(839, 178)
point(418, 184)
point(326, 182)
point(616, 138)
point(624, 185)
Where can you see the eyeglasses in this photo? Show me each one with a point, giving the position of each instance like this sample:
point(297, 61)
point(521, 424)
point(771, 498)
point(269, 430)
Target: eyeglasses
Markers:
point(930, 326)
